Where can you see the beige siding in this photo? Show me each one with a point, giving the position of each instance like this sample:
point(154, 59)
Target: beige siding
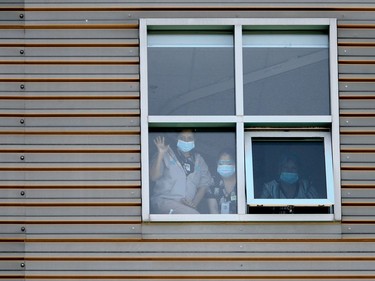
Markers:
point(70, 189)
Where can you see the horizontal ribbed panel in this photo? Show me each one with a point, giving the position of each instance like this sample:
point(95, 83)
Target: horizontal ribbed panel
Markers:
point(70, 189)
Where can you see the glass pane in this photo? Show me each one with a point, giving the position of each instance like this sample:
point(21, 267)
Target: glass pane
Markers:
point(286, 74)
point(191, 74)
point(184, 174)
point(289, 168)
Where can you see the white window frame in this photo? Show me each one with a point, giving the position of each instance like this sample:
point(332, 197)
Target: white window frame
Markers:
point(252, 201)
point(240, 120)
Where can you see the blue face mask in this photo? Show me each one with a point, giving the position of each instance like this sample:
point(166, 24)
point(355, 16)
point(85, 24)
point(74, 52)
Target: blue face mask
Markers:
point(289, 178)
point(226, 170)
point(185, 146)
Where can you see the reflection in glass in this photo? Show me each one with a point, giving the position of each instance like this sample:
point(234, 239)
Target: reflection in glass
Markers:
point(183, 168)
point(286, 74)
point(190, 74)
point(293, 169)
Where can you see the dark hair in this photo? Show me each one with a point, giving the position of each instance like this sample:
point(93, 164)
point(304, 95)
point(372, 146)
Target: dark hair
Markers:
point(227, 151)
point(289, 157)
point(179, 131)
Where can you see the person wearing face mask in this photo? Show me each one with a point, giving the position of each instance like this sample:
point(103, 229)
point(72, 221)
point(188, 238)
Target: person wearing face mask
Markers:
point(222, 196)
point(289, 184)
point(180, 175)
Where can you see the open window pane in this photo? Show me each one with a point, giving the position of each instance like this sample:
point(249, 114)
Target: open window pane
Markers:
point(286, 73)
point(180, 176)
point(190, 74)
point(285, 170)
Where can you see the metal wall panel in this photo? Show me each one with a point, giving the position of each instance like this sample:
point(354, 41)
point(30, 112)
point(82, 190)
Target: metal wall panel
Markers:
point(70, 189)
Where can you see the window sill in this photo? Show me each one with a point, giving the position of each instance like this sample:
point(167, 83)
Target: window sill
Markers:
point(241, 218)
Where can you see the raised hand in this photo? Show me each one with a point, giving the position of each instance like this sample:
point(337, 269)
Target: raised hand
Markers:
point(161, 145)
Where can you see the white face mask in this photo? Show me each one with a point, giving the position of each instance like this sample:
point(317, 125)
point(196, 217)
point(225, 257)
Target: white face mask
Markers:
point(185, 146)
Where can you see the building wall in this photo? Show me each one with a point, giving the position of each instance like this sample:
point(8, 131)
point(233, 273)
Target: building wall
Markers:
point(70, 189)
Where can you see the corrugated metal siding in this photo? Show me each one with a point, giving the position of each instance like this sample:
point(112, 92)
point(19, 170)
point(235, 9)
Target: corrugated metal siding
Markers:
point(70, 206)
point(357, 118)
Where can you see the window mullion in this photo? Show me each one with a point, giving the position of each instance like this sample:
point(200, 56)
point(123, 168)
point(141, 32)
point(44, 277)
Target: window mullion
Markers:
point(238, 68)
point(240, 145)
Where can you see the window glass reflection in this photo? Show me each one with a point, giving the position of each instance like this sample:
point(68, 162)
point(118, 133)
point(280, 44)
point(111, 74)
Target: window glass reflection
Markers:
point(191, 74)
point(286, 74)
point(192, 171)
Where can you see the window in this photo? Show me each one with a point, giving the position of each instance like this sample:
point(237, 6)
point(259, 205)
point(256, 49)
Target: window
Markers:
point(274, 158)
point(233, 112)
point(279, 66)
point(190, 73)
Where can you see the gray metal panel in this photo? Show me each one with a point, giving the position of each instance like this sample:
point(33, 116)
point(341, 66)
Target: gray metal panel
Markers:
point(208, 266)
point(360, 103)
point(73, 176)
point(365, 211)
point(82, 100)
point(83, 87)
point(12, 266)
point(12, 15)
point(360, 193)
point(357, 68)
point(61, 70)
point(10, 122)
point(105, 193)
point(347, 52)
point(201, 247)
point(9, 248)
point(73, 157)
point(67, 121)
point(95, 53)
point(356, 33)
point(357, 122)
point(357, 91)
point(11, 34)
point(84, 139)
point(85, 229)
point(158, 258)
point(85, 213)
point(9, 53)
point(125, 12)
point(219, 231)
point(358, 175)
point(358, 139)
point(48, 105)
point(6, 87)
point(11, 194)
point(12, 228)
point(12, 105)
point(356, 86)
point(95, 212)
point(74, 33)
